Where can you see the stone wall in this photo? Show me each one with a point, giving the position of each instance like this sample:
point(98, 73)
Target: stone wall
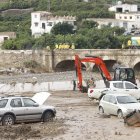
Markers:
point(49, 59)
point(16, 59)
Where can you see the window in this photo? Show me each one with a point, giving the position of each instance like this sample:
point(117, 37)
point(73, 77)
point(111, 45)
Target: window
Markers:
point(3, 103)
point(5, 38)
point(120, 17)
point(43, 25)
point(35, 16)
point(112, 99)
point(126, 99)
point(106, 98)
point(118, 85)
point(126, 11)
point(49, 23)
point(28, 102)
point(130, 17)
point(119, 9)
point(125, 17)
point(137, 17)
point(36, 24)
point(16, 102)
point(129, 86)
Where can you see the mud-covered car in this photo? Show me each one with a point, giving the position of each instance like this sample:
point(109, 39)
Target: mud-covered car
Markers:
point(118, 104)
point(25, 109)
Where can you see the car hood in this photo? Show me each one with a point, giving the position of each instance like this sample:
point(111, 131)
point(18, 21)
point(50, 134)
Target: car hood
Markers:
point(41, 97)
point(131, 106)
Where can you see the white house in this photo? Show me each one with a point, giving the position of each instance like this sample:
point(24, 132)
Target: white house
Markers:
point(126, 16)
point(128, 25)
point(130, 17)
point(122, 8)
point(42, 22)
point(6, 35)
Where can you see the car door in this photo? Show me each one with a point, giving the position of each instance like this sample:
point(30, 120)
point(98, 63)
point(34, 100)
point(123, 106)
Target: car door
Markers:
point(118, 86)
point(112, 108)
point(131, 89)
point(31, 109)
point(105, 103)
point(17, 108)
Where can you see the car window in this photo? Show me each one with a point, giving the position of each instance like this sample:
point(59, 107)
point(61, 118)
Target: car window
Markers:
point(16, 102)
point(112, 99)
point(106, 98)
point(3, 103)
point(129, 86)
point(126, 99)
point(118, 85)
point(28, 102)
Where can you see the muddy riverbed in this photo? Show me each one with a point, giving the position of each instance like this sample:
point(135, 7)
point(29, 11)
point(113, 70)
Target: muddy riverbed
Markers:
point(77, 119)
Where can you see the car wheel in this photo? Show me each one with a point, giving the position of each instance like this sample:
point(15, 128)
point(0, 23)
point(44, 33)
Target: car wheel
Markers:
point(48, 116)
point(8, 120)
point(120, 114)
point(101, 110)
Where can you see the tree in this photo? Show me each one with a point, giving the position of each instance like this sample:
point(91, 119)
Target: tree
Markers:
point(89, 24)
point(50, 40)
point(62, 28)
point(80, 42)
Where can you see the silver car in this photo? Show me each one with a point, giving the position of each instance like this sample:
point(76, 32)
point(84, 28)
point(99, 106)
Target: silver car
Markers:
point(24, 109)
point(118, 104)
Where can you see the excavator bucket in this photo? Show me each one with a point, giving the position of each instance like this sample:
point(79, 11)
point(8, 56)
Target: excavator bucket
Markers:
point(133, 119)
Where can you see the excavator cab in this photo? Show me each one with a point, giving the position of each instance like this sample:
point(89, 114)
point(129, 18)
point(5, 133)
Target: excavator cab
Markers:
point(124, 74)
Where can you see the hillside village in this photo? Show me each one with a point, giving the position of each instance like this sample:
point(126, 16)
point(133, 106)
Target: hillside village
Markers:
point(69, 69)
point(121, 22)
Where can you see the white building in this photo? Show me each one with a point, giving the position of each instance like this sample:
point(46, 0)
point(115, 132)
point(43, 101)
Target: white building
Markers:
point(134, 18)
point(42, 22)
point(126, 16)
point(128, 25)
point(122, 8)
point(6, 35)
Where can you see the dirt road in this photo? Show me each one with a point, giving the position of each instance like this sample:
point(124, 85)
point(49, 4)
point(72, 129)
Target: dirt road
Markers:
point(77, 119)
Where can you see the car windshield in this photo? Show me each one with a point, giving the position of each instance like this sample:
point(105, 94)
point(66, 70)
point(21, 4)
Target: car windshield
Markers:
point(126, 99)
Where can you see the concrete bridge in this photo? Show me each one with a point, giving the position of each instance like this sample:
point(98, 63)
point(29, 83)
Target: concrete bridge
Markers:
point(62, 60)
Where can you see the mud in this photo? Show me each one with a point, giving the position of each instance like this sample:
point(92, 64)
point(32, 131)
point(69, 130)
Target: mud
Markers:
point(32, 130)
point(77, 119)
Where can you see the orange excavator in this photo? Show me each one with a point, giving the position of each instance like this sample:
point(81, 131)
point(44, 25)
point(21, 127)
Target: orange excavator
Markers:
point(121, 73)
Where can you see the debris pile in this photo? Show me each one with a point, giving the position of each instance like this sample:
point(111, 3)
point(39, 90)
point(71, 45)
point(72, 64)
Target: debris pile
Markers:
point(133, 118)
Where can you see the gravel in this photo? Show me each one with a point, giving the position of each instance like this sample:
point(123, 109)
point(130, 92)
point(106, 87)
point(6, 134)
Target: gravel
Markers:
point(45, 77)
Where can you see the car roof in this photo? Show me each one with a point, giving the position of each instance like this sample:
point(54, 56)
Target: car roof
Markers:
point(12, 97)
point(117, 94)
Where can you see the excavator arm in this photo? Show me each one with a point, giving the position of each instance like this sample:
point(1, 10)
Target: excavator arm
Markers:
point(98, 62)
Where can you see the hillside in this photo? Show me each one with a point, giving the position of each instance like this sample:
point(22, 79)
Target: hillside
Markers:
point(19, 21)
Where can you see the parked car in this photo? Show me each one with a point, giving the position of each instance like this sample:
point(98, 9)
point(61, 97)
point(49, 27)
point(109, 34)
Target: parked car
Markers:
point(115, 86)
point(24, 109)
point(118, 104)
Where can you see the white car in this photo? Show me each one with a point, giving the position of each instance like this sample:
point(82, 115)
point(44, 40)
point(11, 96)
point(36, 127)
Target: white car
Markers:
point(118, 104)
point(125, 87)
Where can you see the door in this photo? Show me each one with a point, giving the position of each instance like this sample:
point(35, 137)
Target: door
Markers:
point(31, 109)
point(105, 103)
point(17, 108)
point(118, 86)
point(132, 89)
point(112, 108)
